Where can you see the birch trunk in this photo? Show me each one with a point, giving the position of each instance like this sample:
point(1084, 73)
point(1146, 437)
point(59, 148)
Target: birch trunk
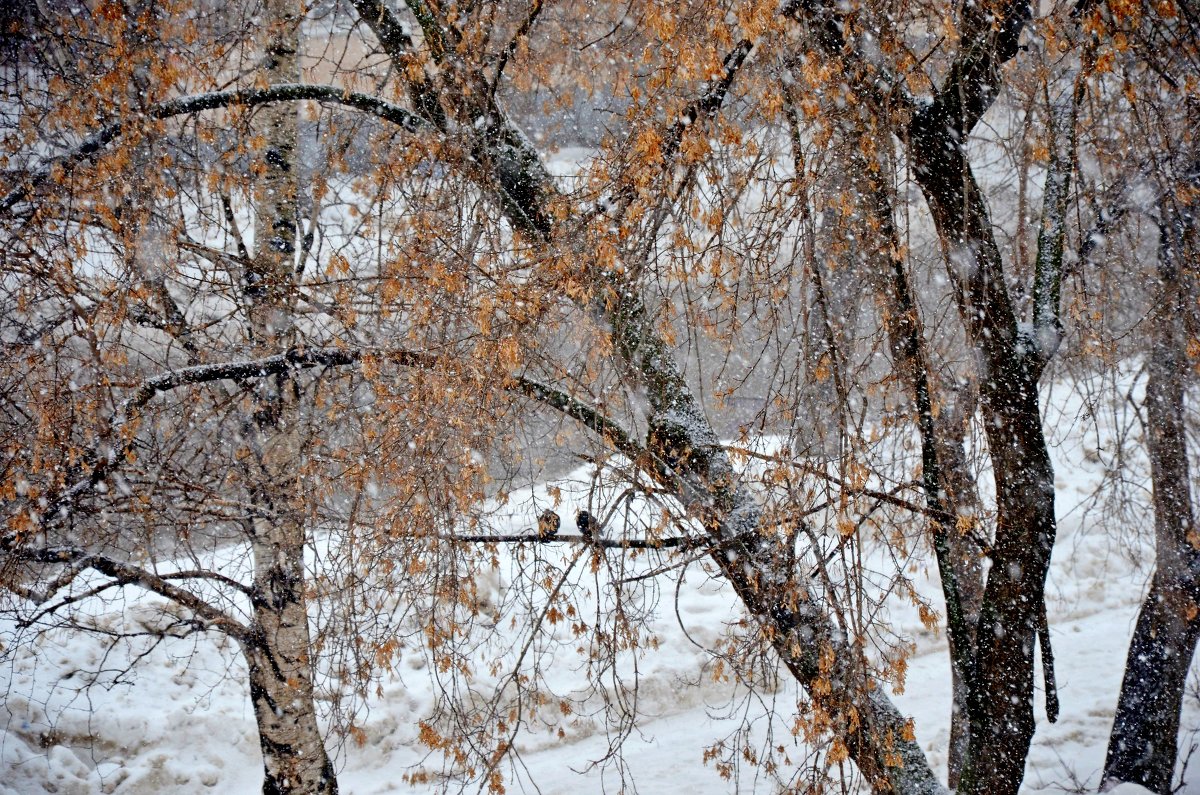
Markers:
point(281, 678)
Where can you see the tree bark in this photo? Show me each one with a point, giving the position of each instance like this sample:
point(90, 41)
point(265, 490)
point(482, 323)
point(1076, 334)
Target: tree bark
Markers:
point(1001, 701)
point(1142, 747)
point(280, 666)
point(762, 567)
point(277, 655)
point(1002, 721)
point(999, 678)
point(1143, 744)
point(966, 558)
point(948, 487)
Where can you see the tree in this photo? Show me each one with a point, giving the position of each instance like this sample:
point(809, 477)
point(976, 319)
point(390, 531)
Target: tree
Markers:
point(934, 135)
point(1143, 744)
point(274, 634)
point(474, 289)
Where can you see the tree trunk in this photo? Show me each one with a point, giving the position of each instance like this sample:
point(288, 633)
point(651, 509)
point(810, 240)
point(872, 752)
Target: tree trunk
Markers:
point(966, 557)
point(1001, 698)
point(281, 687)
point(1143, 744)
point(1001, 701)
point(762, 568)
point(1000, 677)
point(281, 680)
point(947, 484)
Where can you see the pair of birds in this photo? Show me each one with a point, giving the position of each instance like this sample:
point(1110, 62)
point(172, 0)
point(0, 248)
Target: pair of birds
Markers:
point(548, 524)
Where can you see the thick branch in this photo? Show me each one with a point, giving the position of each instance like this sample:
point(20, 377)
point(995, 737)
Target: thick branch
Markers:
point(431, 28)
point(608, 430)
point(393, 36)
point(871, 77)
point(990, 37)
point(758, 565)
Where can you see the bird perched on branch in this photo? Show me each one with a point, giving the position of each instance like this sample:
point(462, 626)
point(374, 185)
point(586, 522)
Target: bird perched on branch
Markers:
point(548, 524)
point(586, 524)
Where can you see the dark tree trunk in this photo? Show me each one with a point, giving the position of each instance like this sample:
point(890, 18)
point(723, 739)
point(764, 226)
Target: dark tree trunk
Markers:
point(1143, 744)
point(1001, 697)
point(1001, 701)
point(999, 678)
point(948, 486)
point(967, 560)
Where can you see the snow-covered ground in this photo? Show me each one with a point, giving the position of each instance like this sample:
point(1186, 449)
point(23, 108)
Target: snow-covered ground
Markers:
point(180, 721)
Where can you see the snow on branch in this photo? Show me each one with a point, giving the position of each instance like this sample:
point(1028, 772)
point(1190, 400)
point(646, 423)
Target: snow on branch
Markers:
point(102, 463)
point(1048, 267)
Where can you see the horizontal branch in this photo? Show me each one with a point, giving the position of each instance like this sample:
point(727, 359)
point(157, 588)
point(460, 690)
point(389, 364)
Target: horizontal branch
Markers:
point(605, 543)
point(94, 144)
point(102, 464)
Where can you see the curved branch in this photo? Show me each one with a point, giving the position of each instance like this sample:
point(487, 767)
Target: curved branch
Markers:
point(589, 417)
point(126, 574)
point(94, 144)
point(991, 34)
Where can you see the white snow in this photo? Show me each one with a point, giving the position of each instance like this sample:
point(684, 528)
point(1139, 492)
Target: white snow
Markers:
point(1128, 789)
point(180, 721)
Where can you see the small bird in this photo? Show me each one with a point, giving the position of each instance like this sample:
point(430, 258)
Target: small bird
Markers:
point(586, 525)
point(548, 524)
